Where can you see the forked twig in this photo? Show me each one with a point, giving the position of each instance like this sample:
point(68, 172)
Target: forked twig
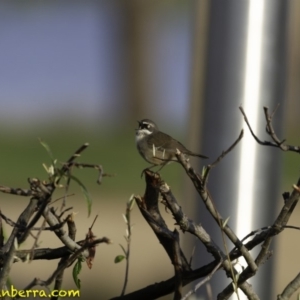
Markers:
point(224, 153)
point(66, 263)
point(69, 165)
point(276, 141)
point(199, 284)
point(188, 225)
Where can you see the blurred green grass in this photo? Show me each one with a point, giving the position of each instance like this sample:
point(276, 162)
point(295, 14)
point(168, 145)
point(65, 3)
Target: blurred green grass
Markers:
point(22, 156)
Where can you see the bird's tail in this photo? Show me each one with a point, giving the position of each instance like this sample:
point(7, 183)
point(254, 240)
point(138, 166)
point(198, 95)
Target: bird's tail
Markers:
point(198, 155)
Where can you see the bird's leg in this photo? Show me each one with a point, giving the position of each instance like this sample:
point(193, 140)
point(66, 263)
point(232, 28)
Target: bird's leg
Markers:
point(146, 169)
point(162, 165)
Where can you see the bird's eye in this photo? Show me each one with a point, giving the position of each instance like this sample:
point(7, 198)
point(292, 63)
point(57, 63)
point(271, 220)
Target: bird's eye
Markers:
point(145, 126)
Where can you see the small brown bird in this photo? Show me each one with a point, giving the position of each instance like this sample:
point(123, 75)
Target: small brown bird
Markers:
point(156, 147)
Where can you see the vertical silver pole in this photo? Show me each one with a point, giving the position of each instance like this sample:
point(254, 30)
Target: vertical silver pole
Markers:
point(245, 67)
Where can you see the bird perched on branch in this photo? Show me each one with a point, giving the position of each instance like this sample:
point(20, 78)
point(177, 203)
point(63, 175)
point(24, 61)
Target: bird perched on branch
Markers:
point(156, 147)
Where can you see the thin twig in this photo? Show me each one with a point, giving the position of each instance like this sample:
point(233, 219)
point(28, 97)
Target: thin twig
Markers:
point(199, 284)
point(93, 166)
point(275, 229)
point(36, 239)
point(129, 206)
point(209, 203)
point(221, 224)
point(269, 127)
point(177, 267)
point(276, 142)
point(72, 235)
point(290, 289)
point(149, 208)
point(15, 191)
point(66, 264)
point(224, 153)
point(188, 225)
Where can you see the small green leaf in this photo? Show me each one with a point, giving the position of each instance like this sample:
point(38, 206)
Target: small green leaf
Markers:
point(45, 145)
point(119, 258)
point(204, 169)
point(131, 202)
point(76, 270)
point(50, 170)
point(85, 193)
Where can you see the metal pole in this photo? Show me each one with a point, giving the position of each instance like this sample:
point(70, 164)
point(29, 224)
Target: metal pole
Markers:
point(245, 66)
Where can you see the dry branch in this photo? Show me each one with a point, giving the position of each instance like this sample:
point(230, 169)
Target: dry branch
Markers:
point(41, 193)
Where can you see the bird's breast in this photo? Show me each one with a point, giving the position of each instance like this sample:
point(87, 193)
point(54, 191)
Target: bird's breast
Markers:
point(139, 137)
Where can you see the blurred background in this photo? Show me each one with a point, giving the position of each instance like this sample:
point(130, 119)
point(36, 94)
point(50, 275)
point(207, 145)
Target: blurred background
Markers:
point(76, 72)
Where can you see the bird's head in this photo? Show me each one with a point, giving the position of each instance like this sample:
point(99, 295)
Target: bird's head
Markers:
point(146, 127)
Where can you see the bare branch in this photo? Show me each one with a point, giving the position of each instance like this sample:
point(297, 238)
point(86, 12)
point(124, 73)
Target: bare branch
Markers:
point(66, 263)
point(177, 267)
point(15, 191)
point(72, 234)
point(203, 281)
point(128, 240)
point(290, 289)
point(60, 233)
point(188, 225)
point(224, 153)
point(148, 206)
point(36, 238)
point(93, 166)
point(275, 229)
point(276, 142)
point(209, 203)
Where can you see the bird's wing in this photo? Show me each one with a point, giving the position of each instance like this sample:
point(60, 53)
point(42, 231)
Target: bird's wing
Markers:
point(170, 145)
point(164, 142)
